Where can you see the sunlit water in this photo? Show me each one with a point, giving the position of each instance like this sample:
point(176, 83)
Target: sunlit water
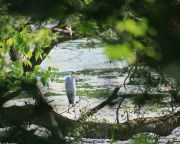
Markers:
point(71, 56)
point(96, 73)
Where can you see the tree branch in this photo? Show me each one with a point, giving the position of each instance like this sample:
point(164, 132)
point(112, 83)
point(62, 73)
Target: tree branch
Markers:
point(162, 126)
point(43, 108)
point(100, 106)
point(9, 96)
point(46, 110)
point(14, 54)
point(109, 101)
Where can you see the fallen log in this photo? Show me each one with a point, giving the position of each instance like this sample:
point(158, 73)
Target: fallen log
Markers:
point(162, 126)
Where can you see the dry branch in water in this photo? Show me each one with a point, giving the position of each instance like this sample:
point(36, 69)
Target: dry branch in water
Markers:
point(100, 106)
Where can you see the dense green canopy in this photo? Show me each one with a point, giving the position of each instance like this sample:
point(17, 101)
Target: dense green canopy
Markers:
point(149, 27)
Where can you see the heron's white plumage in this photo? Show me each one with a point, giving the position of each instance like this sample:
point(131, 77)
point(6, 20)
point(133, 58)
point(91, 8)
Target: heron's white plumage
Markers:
point(70, 87)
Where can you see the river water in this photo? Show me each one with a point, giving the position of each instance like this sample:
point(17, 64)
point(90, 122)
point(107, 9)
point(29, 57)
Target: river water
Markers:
point(95, 71)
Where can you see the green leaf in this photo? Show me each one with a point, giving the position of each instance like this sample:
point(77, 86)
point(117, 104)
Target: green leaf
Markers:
point(19, 39)
point(37, 68)
point(87, 2)
point(88, 28)
point(17, 68)
point(136, 28)
point(27, 63)
point(29, 54)
point(119, 52)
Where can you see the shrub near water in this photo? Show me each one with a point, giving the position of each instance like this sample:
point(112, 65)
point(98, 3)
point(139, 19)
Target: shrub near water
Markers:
point(145, 139)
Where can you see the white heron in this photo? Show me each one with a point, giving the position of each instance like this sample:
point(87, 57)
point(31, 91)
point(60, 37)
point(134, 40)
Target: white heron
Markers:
point(70, 87)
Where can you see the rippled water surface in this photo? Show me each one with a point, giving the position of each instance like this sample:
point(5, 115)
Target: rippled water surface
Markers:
point(96, 76)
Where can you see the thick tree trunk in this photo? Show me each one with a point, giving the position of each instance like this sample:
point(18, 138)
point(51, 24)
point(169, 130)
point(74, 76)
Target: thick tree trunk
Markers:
point(9, 96)
point(160, 125)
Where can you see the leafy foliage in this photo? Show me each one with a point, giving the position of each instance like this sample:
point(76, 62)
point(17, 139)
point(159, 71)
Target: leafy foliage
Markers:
point(18, 43)
point(133, 41)
point(145, 139)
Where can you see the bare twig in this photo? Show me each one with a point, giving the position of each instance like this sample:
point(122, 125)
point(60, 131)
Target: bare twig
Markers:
point(128, 77)
point(117, 110)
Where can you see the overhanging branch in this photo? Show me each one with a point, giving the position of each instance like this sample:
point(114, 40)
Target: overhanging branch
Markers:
point(10, 96)
point(47, 50)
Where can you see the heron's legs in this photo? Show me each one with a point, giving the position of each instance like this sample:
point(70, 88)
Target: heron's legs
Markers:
point(79, 104)
point(68, 108)
point(74, 111)
point(68, 111)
